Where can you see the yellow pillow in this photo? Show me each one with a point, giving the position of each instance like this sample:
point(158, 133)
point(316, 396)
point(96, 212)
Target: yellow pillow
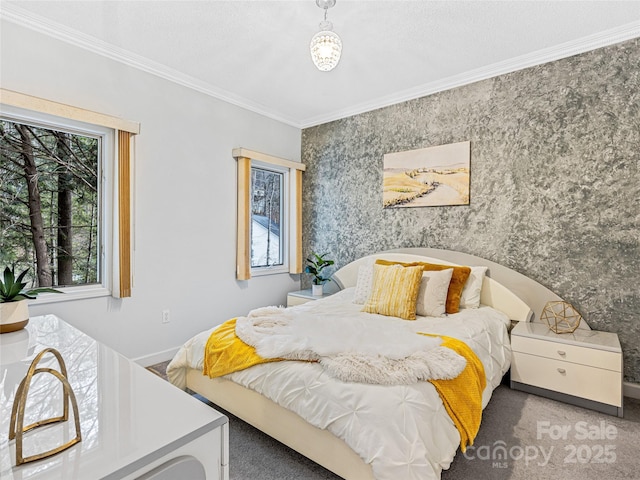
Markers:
point(394, 291)
point(458, 279)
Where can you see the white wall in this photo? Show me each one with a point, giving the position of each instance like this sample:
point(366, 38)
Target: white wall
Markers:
point(184, 257)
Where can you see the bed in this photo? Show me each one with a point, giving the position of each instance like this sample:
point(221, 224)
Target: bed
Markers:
point(365, 430)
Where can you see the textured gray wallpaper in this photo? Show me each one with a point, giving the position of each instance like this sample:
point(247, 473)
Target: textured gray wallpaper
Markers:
point(555, 182)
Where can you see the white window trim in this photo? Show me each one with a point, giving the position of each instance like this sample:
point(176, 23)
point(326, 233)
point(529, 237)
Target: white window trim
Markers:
point(284, 221)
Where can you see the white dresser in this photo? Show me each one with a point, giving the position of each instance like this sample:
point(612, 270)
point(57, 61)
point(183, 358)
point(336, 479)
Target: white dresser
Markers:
point(583, 368)
point(134, 424)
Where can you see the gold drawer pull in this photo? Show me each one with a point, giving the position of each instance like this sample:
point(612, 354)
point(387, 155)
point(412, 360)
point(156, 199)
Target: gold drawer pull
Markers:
point(562, 371)
point(562, 353)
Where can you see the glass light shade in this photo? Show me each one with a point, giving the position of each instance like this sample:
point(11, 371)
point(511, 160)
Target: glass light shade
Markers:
point(326, 48)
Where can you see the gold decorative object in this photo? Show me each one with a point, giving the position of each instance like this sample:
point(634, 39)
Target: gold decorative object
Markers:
point(561, 317)
point(17, 428)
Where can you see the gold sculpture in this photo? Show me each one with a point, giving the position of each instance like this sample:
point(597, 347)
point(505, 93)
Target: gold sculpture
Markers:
point(17, 428)
point(561, 317)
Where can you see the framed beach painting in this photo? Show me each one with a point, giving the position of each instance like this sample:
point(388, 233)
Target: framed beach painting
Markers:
point(427, 177)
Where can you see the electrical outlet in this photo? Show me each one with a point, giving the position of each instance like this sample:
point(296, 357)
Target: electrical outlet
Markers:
point(166, 316)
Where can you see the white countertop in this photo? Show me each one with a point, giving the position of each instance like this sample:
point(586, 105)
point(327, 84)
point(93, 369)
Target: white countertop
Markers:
point(128, 416)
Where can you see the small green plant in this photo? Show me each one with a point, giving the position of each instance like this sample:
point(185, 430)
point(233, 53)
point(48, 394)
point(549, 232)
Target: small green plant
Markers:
point(315, 264)
point(12, 288)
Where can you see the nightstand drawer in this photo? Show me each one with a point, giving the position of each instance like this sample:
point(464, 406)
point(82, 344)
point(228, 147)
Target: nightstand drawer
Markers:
point(569, 353)
point(292, 300)
point(303, 296)
point(595, 384)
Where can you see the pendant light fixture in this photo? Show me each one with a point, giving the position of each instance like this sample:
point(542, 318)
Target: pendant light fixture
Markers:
point(326, 46)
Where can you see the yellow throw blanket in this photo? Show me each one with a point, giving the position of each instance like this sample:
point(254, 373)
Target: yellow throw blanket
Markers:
point(225, 353)
point(462, 396)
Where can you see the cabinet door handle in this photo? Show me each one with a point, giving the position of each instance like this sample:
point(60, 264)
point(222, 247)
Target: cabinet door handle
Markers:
point(562, 353)
point(562, 371)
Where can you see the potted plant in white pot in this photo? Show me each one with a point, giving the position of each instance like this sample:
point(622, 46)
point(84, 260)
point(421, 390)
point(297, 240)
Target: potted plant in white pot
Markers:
point(14, 311)
point(315, 265)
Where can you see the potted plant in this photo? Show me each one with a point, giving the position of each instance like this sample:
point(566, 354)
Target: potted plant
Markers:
point(14, 312)
point(315, 265)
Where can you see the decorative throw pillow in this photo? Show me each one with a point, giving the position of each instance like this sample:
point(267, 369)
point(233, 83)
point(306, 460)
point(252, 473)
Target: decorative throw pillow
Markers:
point(363, 283)
point(470, 297)
point(458, 279)
point(432, 296)
point(394, 291)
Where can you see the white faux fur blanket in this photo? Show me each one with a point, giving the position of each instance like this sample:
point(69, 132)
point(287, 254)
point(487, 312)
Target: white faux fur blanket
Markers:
point(360, 349)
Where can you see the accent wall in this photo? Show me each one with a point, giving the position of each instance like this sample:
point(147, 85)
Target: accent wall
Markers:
point(555, 182)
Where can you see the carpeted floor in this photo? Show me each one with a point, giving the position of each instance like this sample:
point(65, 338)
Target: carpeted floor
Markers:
point(522, 436)
point(160, 369)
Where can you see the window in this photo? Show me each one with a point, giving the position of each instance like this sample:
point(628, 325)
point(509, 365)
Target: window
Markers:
point(268, 217)
point(65, 197)
point(269, 214)
point(51, 199)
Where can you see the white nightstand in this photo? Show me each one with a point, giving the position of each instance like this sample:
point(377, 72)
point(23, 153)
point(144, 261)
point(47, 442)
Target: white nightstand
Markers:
point(303, 296)
point(583, 368)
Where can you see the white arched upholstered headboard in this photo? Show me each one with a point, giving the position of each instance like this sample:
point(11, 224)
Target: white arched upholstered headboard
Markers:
point(494, 294)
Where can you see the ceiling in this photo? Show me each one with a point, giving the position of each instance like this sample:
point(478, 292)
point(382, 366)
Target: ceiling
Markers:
point(256, 53)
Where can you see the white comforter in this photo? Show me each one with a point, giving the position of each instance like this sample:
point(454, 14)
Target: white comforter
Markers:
point(403, 431)
point(354, 348)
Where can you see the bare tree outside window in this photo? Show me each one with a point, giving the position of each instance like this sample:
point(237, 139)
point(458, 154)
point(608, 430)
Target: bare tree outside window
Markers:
point(49, 204)
point(266, 217)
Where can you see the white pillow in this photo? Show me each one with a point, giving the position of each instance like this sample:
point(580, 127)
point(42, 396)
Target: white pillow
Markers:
point(432, 297)
point(363, 283)
point(470, 297)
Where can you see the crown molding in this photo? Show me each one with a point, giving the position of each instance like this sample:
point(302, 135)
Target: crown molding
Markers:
point(61, 32)
point(19, 16)
point(557, 52)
